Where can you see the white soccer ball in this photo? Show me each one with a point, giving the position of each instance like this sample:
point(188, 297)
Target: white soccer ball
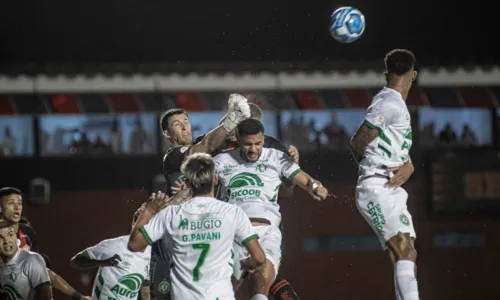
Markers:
point(347, 24)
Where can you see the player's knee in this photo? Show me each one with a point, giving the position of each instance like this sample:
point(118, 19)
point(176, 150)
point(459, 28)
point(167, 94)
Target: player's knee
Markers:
point(401, 245)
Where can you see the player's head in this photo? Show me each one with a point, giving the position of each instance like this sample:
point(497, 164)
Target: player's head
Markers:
point(175, 126)
point(199, 174)
point(400, 63)
point(250, 136)
point(11, 204)
point(8, 240)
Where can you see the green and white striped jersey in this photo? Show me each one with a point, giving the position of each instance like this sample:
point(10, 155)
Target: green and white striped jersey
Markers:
point(201, 233)
point(124, 281)
point(254, 186)
point(389, 115)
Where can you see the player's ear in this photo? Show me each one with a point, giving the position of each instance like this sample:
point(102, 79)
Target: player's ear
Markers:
point(216, 180)
point(165, 134)
point(415, 73)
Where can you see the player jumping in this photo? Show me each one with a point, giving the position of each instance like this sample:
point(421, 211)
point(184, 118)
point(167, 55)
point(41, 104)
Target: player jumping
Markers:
point(251, 179)
point(201, 232)
point(176, 127)
point(281, 288)
point(381, 147)
point(11, 209)
point(122, 274)
point(23, 274)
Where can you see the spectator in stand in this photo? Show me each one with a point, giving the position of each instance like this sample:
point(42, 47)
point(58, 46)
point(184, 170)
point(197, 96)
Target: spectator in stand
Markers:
point(447, 137)
point(468, 137)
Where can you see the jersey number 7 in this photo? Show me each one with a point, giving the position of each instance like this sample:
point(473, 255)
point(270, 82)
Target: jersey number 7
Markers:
point(205, 248)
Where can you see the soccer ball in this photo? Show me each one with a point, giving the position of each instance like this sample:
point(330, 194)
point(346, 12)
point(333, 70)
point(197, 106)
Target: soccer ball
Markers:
point(347, 24)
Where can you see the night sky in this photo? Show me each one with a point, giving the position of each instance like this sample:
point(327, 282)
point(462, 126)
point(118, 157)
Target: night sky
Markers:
point(439, 32)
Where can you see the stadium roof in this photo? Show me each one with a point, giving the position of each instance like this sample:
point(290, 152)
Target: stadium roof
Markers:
point(130, 69)
point(131, 79)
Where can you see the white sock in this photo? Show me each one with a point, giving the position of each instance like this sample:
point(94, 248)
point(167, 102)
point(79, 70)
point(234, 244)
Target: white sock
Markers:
point(259, 297)
point(406, 283)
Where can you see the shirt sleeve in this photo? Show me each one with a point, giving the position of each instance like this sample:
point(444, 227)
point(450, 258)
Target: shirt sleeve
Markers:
point(270, 142)
point(382, 114)
point(157, 226)
point(100, 251)
point(287, 167)
point(36, 271)
point(245, 232)
point(219, 165)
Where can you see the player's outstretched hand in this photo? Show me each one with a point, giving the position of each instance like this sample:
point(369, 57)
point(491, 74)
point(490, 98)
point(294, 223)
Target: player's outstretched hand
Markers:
point(157, 201)
point(111, 262)
point(317, 190)
point(403, 173)
point(178, 186)
point(238, 110)
point(241, 108)
point(294, 153)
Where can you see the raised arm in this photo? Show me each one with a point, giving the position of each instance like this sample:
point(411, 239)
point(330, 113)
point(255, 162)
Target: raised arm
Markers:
point(211, 142)
point(151, 224)
point(238, 110)
point(100, 255)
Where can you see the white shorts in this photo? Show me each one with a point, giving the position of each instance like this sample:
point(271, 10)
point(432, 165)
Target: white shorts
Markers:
point(269, 240)
point(384, 208)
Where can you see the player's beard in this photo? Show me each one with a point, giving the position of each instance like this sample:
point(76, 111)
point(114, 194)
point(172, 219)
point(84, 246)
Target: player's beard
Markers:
point(253, 156)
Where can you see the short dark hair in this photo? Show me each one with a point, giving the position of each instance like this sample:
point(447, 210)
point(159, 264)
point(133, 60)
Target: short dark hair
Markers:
point(4, 223)
point(249, 127)
point(399, 62)
point(166, 116)
point(255, 111)
point(6, 191)
point(199, 171)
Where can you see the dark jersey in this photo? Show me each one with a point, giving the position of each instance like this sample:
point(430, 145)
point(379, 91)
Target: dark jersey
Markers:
point(172, 162)
point(26, 238)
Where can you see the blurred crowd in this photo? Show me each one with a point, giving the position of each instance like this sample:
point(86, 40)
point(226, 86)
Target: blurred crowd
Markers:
point(308, 134)
point(447, 137)
point(96, 140)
